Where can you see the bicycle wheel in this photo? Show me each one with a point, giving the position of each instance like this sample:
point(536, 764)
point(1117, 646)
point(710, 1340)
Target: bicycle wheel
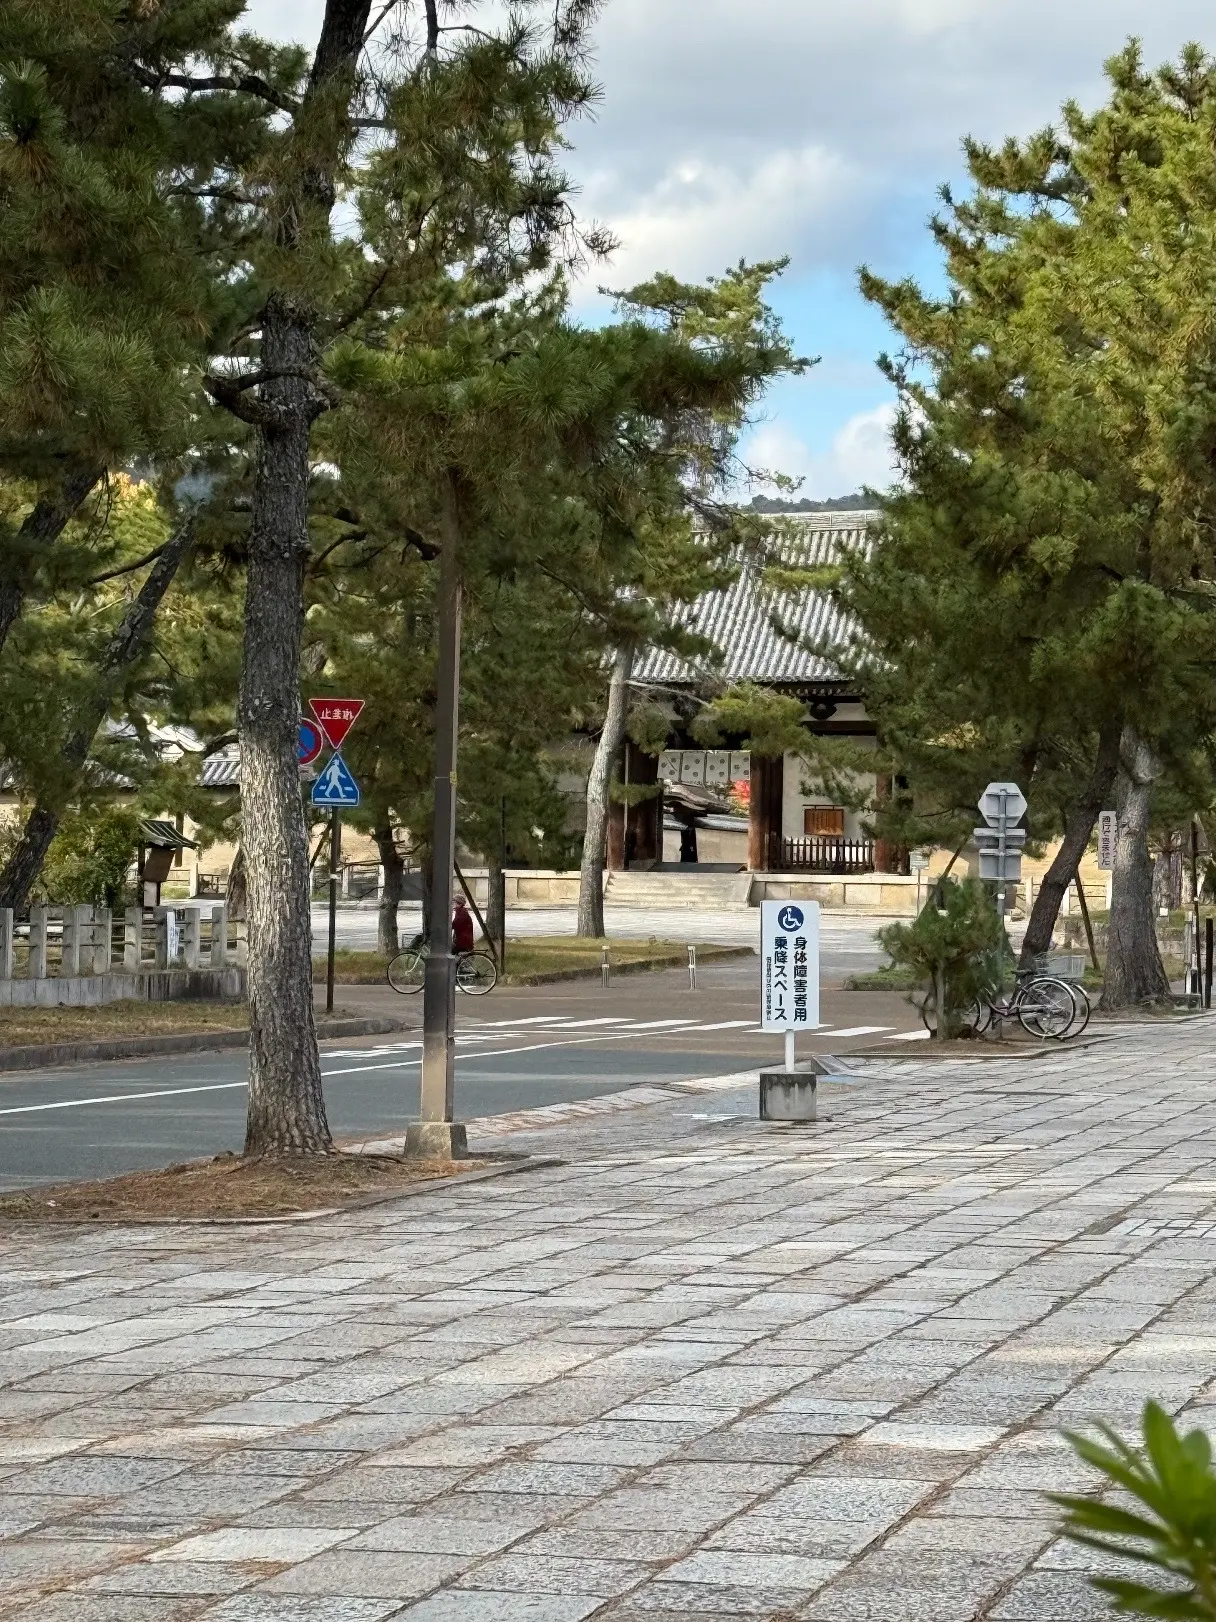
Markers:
point(976, 1016)
point(1046, 1008)
point(476, 974)
point(406, 971)
point(1084, 1009)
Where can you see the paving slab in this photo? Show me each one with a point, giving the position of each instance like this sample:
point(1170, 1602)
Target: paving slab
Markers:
point(694, 1366)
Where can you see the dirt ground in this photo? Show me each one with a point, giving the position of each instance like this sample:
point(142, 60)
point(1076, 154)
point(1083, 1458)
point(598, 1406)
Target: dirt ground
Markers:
point(19, 1026)
point(227, 1186)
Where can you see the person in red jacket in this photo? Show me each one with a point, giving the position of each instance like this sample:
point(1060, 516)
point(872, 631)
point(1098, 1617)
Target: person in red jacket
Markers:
point(462, 927)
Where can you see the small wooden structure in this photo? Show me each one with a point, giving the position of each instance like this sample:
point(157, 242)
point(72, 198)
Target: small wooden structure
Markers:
point(160, 841)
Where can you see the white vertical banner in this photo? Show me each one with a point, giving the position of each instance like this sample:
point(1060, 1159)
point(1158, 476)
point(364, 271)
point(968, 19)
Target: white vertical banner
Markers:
point(789, 965)
point(1108, 827)
point(172, 937)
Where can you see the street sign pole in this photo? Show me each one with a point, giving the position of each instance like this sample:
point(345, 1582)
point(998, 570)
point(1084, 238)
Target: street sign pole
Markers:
point(435, 1135)
point(1000, 845)
point(335, 857)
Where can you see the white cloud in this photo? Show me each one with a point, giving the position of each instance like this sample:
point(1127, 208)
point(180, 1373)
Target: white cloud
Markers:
point(701, 216)
point(859, 454)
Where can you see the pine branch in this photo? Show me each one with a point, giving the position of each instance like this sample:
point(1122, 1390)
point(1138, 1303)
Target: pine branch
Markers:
point(250, 84)
point(127, 568)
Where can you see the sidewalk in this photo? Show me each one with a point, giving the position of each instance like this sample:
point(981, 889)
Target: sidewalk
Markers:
point(702, 1368)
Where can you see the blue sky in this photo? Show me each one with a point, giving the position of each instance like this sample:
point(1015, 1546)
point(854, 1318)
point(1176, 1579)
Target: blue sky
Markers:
point(757, 128)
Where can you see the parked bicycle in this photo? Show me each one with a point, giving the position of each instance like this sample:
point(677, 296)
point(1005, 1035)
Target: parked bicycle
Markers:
point(476, 972)
point(1045, 1005)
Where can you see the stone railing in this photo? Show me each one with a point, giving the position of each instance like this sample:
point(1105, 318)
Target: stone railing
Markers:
point(87, 954)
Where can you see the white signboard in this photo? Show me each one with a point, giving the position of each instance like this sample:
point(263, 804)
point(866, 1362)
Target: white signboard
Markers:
point(1108, 827)
point(692, 767)
point(717, 768)
point(669, 766)
point(789, 965)
point(171, 937)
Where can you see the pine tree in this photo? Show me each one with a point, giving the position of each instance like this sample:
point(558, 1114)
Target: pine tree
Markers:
point(114, 274)
point(1042, 586)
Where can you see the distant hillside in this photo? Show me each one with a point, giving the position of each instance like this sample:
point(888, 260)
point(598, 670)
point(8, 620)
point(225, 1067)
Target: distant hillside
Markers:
point(837, 504)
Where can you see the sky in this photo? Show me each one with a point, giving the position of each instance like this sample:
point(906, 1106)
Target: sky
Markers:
point(818, 130)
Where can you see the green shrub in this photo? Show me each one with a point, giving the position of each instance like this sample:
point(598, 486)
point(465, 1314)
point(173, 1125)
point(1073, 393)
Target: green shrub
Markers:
point(956, 948)
point(89, 859)
point(1170, 1527)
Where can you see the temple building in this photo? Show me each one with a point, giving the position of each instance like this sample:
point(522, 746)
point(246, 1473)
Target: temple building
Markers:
point(784, 642)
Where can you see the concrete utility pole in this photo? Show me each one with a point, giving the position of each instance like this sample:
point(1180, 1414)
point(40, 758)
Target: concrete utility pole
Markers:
point(436, 1135)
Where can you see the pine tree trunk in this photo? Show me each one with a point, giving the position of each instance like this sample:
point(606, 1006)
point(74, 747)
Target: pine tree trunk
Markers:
point(41, 528)
point(123, 649)
point(236, 895)
point(387, 929)
point(1078, 827)
point(591, 876)
point(286, 1111)
point(1134, 971)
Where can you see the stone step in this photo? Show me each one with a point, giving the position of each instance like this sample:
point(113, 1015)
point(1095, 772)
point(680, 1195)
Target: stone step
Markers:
point(704, 890)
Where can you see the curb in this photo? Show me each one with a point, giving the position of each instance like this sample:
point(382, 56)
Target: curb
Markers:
point(706, 953)
point(506, 1166)
point(51, 1055)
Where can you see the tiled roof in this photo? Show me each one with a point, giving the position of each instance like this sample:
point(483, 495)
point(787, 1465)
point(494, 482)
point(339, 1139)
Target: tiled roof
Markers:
point(743, 620)
point(222, 770)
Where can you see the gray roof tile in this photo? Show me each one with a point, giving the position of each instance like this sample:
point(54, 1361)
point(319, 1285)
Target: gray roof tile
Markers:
point(743, 621)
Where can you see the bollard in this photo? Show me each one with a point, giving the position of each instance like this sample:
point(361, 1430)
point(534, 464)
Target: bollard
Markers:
point(6, 943)
point(605, 969)
point(692, 968)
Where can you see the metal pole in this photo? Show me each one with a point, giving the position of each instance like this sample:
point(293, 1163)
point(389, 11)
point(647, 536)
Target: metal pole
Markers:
point(1000, 857)
point(605, 969)
point(1207, 963)
point(1193, 968)
point(625, 810)
point(335, 858)
point(789, 1050)
point(692, 968)
point(439, 983)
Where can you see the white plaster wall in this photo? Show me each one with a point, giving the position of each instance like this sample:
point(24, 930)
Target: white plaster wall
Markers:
point(799, 790)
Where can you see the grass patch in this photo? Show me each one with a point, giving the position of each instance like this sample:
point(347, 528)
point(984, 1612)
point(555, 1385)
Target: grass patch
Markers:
point(533, 955)
point(888, 978)
point(226, 1187)
point(22, 1026)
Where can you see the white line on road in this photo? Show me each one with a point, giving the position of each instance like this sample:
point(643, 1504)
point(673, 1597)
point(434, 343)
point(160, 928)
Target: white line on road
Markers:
point(862, 1030)
point(351, 1070)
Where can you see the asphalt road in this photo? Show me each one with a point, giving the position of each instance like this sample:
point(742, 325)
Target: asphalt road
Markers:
point(516, 1049)
point(846, 944)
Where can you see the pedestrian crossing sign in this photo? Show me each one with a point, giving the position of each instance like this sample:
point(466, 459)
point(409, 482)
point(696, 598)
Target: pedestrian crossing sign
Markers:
point(335, 787)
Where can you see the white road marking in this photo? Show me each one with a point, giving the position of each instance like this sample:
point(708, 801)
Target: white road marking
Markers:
point(862, 1030)
point(908, 1036)
point(350, 1070)
point(122, 1098)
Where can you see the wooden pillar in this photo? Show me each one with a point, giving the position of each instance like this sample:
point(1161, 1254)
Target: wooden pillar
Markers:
point(764, 813)
point(614, 856)
point(644, 839)
point(885, 854)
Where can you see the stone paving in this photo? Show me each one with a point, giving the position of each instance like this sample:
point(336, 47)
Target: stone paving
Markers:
point(697, 1368)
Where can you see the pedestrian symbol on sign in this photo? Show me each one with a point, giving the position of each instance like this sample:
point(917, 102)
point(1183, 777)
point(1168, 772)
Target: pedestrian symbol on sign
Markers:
point(335, 787)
